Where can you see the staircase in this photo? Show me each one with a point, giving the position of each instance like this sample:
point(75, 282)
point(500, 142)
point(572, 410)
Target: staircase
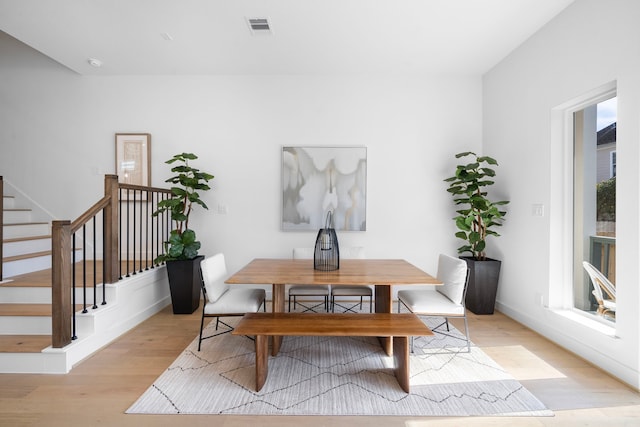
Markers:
point(25, 301)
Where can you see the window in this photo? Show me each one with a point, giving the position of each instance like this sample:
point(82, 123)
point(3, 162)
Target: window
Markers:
point(594, 190)
point(612, 171)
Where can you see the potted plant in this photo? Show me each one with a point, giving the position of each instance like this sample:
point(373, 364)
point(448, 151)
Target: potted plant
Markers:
point(477, 216)
point(181, 250)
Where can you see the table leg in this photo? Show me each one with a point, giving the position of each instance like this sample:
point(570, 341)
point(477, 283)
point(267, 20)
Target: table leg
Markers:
point(278, 307)
point(401, 359)
point(262, 359)
point(384, 305)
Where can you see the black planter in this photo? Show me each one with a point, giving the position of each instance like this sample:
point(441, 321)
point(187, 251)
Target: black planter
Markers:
point(185, 284)
point(483, 285)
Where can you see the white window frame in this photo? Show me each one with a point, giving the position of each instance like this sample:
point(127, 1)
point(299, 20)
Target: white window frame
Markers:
point(562, 269)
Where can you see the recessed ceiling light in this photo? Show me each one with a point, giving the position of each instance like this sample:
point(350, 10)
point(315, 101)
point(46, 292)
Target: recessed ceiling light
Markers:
point(94, 62)
point(259, 25)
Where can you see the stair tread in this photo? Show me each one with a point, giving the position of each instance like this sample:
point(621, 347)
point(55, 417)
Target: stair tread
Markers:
point(15, 309)
point(25, 309)
point(26, 256)
point(42, 278)
point(24, 343)
point(13, 224)
point(27, 238)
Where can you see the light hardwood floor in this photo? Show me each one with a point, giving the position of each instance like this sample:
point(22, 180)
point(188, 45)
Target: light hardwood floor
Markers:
point(101, 388)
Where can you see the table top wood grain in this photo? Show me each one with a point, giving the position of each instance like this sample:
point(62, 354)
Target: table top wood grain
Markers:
point(351, 272)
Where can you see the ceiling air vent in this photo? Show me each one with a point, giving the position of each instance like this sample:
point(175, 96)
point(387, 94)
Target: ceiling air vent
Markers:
point(259, 25)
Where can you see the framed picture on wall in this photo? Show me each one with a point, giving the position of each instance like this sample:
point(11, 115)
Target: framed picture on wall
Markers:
point(318, 179)
point(133, 158)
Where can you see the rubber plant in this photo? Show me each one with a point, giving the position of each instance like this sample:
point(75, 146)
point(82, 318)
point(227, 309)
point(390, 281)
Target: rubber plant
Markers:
point(187, 182)
point(477, 215)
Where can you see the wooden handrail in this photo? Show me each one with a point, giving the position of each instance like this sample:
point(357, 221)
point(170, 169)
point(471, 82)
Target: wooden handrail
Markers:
point(88, 215)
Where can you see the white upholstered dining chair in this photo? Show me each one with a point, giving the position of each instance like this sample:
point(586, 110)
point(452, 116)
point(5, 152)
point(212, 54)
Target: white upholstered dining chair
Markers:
point(222, 300)
point(308, 290)
point(446, 300)
point(350, 291)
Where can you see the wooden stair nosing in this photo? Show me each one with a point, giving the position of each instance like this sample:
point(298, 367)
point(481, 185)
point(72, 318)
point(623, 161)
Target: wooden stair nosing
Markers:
point(18, 310)
point(14, 224)
point(26, 238)
point(26, 256)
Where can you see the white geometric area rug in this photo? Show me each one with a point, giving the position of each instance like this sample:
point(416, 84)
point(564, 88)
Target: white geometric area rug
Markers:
point(336, 376)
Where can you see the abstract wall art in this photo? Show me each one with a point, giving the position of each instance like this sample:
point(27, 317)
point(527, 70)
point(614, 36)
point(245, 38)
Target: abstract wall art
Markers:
point(316, 180)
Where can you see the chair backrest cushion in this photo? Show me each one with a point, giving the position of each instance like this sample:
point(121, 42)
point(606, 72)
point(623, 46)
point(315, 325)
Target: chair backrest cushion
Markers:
point(214, 273)
point(352, 252)
point(453, 273)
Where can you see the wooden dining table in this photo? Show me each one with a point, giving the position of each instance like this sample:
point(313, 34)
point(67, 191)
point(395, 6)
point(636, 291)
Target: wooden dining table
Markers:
point(382, 273)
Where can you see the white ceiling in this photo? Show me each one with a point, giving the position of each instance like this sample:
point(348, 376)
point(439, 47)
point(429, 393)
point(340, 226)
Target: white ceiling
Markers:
point(308, 36)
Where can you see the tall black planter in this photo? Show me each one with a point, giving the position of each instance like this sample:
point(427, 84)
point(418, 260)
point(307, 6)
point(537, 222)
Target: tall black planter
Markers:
point(185, 284)
point(483, 285)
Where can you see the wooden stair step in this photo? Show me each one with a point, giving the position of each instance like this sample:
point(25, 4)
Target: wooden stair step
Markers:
point(25, 309)
point(16, 309)
point(42, 278)
point(24, 239)
point(26, 256)
point(24, 343)
point(14, 224)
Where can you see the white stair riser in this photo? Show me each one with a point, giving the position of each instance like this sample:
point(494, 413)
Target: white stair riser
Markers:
point(13, 295)
point(22, 266)
point(25, 325)
point(24, 247)
point(40, 325)
point(8, 202)
point(26, 230)
point(16, 217)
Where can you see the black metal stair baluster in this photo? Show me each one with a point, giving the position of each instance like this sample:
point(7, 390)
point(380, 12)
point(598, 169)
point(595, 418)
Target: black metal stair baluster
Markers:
point(95, 276)
point(119, 232)
point(128, 203)
point(146, 232)
point(104, 265)
point(84, 268)
point(73, 288)
point(141, 222)
point(153, 194)
point(134, 231)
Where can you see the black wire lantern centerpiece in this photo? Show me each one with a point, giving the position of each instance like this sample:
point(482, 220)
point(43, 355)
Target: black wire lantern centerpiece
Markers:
point(326, 256)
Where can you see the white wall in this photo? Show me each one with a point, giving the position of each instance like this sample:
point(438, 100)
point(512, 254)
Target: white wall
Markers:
point(57, 129)
point(590, 44)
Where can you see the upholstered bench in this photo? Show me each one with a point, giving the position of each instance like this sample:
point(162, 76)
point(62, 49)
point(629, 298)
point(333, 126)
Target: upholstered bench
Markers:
point(400, 326)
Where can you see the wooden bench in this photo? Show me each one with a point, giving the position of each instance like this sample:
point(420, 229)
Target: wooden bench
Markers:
point(399, 326)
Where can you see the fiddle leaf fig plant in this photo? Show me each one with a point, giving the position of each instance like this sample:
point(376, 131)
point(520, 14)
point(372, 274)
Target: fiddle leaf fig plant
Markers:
point(477, 214)
point(182, 243)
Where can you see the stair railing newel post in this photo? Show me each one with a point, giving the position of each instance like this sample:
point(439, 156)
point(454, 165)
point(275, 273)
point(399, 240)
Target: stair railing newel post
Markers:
point(110, 256)
point(61, 284)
